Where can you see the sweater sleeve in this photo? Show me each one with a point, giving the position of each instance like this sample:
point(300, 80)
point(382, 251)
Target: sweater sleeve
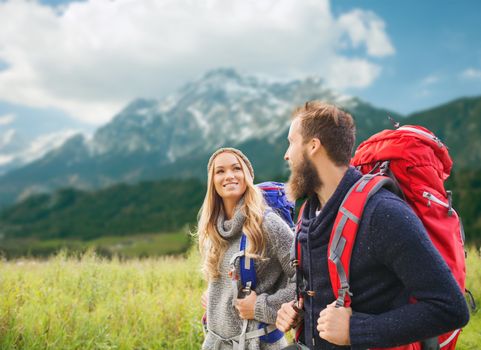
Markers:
point(401, 243)
point(281, 238)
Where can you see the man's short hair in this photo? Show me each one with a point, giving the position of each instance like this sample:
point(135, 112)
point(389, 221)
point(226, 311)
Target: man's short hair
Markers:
point(334, 127)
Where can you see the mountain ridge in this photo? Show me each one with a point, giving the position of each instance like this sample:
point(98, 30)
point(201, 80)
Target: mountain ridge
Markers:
point(153, 139)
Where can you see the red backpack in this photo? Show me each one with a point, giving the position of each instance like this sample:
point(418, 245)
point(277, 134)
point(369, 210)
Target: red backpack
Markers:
point(418, 163)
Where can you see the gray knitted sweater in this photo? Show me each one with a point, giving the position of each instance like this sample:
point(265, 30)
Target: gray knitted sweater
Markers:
point(273, 288)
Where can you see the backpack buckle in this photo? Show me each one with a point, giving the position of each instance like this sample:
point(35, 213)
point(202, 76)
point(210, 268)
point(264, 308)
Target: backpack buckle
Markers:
point(384, 167)
point(342, 296)
point(247, 290)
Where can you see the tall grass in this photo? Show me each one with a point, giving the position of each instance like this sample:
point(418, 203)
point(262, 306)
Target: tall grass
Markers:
point(89, 302)
point(471, 335)
point(93, 303)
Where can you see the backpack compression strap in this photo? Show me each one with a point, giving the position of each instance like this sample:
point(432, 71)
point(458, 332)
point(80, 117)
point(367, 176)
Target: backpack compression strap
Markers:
point(344, 233)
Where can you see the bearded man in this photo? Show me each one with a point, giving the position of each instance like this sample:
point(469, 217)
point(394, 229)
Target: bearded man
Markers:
point(392, 259)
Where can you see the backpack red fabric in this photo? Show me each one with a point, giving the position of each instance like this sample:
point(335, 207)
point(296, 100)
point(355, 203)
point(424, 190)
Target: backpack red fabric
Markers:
point(419, 163)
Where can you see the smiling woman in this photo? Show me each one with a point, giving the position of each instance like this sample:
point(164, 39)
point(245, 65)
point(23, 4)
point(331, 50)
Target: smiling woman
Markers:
point(236, 228)
point(229, 180)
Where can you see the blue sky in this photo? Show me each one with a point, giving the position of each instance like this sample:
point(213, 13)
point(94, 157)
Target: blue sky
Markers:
point(83, 61)
point(435, 41)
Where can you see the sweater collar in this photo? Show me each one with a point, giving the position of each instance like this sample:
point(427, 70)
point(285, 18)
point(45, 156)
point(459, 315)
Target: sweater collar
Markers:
point(329, 210)
point(231, 228)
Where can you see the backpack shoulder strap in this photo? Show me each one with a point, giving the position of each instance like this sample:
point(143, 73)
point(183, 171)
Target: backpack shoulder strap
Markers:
point(295, 253)
point(247, 269)
point(344, 233)
point(296, 260)
point(266, 333)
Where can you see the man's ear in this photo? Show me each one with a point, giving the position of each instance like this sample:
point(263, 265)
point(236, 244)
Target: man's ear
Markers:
point(314, 146)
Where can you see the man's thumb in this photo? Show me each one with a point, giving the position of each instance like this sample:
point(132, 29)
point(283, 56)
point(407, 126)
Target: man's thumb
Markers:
point(333, 304)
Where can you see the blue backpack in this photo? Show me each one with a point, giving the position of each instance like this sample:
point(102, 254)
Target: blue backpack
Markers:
point(275, 197)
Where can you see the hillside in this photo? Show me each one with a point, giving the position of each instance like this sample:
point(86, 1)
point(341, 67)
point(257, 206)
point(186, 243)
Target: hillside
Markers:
point(458, 125)
point(147, 207)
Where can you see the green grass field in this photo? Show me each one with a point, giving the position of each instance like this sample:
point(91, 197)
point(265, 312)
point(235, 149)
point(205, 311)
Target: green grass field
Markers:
point(132, 246)
point(95, 303)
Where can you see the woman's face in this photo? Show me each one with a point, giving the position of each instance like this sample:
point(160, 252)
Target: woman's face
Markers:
point(229, 179)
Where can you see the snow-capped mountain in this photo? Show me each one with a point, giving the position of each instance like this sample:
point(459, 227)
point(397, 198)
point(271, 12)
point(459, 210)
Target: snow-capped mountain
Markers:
point(222, 107)
point(173, 137)
point(24, 139)
point(17, 150)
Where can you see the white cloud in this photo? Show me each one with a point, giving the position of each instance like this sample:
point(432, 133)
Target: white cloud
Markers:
point(366, 28)
point(471, 74)
point(346, 73)
point(6, 137)
point(90, 58)
point(430, 80)
point(6, 119)
point(5, 159)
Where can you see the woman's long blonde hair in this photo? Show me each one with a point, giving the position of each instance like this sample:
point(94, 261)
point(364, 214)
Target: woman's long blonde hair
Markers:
point(212, 245)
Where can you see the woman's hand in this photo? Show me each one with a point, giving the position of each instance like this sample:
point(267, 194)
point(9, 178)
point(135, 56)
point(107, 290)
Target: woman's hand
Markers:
point(203, 300)
point(246, 306)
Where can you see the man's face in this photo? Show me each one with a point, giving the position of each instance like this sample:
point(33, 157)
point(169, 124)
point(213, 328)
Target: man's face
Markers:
point(296, 146)
point(304, 180)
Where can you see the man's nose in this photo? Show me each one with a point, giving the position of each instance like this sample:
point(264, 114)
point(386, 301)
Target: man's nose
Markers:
point(286, 156)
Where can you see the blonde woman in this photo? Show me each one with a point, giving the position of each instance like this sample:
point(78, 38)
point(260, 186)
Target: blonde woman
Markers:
point(238, 318)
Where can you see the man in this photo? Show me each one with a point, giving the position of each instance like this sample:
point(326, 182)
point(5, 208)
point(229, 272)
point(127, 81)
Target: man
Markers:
point(392, 260)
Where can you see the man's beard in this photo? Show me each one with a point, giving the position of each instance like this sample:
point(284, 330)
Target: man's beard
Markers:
point(304, 180)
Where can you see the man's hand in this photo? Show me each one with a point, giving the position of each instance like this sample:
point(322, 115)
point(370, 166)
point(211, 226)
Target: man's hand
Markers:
point(288, 316)
point(333, 324)
point(246, 306)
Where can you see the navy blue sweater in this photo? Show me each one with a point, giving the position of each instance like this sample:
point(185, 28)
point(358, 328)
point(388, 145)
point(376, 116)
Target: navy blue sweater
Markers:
point(392, 259)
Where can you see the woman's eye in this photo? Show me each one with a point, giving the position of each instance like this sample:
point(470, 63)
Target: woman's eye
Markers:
point(219, 171)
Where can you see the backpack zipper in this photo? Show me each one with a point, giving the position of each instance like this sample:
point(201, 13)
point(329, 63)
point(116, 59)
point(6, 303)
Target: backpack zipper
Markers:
point(423, 133)
point(432, 198)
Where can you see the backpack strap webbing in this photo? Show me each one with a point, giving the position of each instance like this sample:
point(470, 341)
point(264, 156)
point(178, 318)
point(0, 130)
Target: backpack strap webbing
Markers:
point(344, 231)
point(247, 270)
point(296, 258)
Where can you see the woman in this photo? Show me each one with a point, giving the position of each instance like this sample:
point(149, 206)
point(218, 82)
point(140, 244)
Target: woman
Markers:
point(233, 206)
